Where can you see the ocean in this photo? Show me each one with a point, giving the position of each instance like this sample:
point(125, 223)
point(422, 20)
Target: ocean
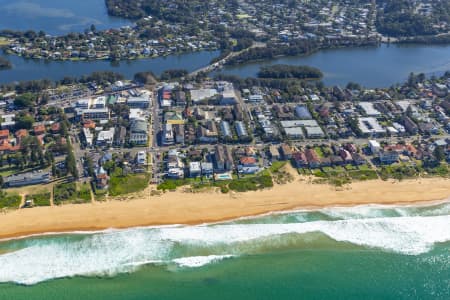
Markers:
point(364, 252)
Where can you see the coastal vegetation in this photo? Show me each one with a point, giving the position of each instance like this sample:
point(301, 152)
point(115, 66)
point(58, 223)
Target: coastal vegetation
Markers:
point(70, 192)
point(122, 184)
point(298, 47)
point(5, 64)
point(40, 199)
point(402, 18)
point(8, 200)
point(288, 71)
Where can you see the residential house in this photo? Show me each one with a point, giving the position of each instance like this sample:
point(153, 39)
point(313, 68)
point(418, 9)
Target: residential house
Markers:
point(286, 151)
point(207, 168)
point(388, 157)
point(274, 153)
point(39, 129)
point(299, 159)
point(248, 165)
point(101, 179)
point(195, 169)
point(313, 158)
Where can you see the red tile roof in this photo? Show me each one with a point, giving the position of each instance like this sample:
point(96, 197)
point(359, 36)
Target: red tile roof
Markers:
point(247, 160)
point(4, 134)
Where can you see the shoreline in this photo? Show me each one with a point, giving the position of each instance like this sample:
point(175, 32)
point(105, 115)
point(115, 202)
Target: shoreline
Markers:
point(211, 206)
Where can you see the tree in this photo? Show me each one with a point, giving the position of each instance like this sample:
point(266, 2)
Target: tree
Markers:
point(25, 100)
point(24, 122)
point(439, 153)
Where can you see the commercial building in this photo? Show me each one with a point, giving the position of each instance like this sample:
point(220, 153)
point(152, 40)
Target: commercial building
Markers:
point(139, 132)
point(105, 137)
point(168, 136)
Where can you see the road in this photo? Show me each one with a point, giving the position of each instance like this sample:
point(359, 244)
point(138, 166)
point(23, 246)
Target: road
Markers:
point(220, 63)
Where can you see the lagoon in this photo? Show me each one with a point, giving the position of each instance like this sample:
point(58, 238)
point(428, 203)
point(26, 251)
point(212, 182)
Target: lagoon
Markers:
point(372, 67)
point(56, 17)
point(33, 69)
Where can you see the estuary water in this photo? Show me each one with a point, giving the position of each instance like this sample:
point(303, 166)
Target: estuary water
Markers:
point(365, 252)
point(370, 66)
point(56, 17)
point(33, 69)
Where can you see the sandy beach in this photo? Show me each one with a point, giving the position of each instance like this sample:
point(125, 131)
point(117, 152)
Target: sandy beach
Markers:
point(179, 207)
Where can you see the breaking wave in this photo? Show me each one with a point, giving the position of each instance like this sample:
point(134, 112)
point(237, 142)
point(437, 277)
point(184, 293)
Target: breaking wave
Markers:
point(117, 251)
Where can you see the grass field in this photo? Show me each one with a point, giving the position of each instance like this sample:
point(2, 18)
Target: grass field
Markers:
point(40, 199)
point(131, 183)
point(8, 200)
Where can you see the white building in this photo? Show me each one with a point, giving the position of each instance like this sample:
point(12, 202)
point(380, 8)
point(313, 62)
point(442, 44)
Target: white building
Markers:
point(105, 137)
point(374, 146)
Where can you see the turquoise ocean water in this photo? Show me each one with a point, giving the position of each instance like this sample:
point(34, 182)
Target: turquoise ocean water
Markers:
point(365, 252)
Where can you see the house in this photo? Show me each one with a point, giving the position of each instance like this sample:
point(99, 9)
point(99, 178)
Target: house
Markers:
point(4, 134)
point(39, 129)
point(325, 161)
point(313, 158)
point(101, 179)
point(440, 90)
point(6, 147)
point(89, 124)
point(55, 128)
point(358, 159)
point(141, 158)
point(428, 128)
point(299, 159)
point(374, 146)
point(207, 168)
point(248, 165)
point(8, 121)
point(274, 153)
point(346, 156)
point(195, 169)
point(286, 151)
point(20, 134)
point(388, 157)
point(336, 160)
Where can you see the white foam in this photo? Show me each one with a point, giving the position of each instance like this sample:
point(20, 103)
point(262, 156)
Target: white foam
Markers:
point(199, 261)
point(408, 235)
point(118, 251)
point(101, 254)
